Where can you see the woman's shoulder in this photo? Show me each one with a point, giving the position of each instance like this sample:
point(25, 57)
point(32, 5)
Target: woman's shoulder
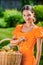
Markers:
point(38, 27)
point(38, 31)
point(16, 29)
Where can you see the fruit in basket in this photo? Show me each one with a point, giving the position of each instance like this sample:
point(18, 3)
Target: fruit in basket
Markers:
point(6, 48)
point(9, 49)
point(15, 48)
point(3, 50)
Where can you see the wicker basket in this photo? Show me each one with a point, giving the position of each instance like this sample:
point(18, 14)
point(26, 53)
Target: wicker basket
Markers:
point(10, 58)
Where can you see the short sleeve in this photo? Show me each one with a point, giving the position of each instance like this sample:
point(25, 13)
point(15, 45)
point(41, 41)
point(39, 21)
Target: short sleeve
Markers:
point(15, 31)
point(39, 32)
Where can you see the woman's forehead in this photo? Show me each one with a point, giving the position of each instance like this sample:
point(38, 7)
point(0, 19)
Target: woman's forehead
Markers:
point(27, 12)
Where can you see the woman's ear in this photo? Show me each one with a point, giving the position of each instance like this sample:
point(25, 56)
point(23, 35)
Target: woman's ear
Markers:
point(34, 19)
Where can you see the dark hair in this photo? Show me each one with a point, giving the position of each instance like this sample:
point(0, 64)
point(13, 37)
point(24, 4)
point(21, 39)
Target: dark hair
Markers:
point(27, 7)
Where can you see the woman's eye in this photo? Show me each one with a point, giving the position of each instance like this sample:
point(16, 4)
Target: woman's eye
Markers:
point(28, 15)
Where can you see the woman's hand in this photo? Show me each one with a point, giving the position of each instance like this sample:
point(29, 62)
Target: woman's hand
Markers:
point(22, 38)
point(13, 42)
point(17, 41)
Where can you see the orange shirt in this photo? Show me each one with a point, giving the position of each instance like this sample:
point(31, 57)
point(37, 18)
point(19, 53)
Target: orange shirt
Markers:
point(26, 47)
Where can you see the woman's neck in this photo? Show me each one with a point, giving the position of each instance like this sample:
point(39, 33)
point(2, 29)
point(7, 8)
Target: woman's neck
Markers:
point(29, 24)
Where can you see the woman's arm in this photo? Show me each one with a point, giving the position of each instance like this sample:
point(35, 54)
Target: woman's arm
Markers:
point(15, 42)
point(39, 49)
point(14, 37)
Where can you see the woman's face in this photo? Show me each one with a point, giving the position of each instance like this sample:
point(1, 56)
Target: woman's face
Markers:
point(28, 15)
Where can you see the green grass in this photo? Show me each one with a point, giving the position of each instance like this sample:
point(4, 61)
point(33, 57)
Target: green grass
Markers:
point(5, 33)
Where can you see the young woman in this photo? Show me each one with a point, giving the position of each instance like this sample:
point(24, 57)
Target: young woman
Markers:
point(26, 35)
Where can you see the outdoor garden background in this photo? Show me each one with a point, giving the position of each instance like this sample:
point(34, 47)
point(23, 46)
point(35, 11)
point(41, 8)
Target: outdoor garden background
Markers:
point(10, 16)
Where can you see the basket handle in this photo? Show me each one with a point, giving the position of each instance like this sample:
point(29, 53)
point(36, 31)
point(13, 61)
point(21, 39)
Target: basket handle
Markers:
point(5, 40)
